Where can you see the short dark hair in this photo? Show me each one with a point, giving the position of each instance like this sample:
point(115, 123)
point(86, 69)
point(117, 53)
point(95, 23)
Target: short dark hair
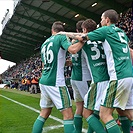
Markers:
point(89, 24)
point(78, 25)
point(112, 15)
point(58, 26)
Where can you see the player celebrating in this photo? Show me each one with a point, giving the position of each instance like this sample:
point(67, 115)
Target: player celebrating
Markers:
point(52, 82)
point(80, 80)
point(119, 68)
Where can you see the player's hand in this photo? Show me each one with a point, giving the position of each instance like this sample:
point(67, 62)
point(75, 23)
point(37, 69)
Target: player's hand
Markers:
point(79, 37)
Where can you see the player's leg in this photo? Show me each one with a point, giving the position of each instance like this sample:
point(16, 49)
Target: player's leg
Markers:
point(113, 97)
point(46, 105)
point(107, 109)
point(107, 118)
point(92, 102)
point(96, 114)
point(130, 106)
point(126, 116)
point(126, 119)
point(38, 124)
point(78, 117)
point(68, 120)
point(63, 103)
point(80, 89)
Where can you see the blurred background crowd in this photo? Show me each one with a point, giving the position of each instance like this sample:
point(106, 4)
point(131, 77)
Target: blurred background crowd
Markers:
point(25, 75)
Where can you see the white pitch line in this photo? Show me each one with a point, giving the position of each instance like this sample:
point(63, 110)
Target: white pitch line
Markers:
point(46, 129)
point(35, 110)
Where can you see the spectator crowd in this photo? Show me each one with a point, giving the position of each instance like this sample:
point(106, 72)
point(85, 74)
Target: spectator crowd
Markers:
point(25, 75)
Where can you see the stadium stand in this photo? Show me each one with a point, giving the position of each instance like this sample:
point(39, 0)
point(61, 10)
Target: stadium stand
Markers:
point(30, 24)
point(32, 66)
point(126, 22)
point(26, 30)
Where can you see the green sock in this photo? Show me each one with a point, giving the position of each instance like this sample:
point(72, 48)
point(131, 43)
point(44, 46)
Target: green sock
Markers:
point(38, 125)
point(68, 126)
point(125, 124)
point(95, 124)
point(96, 114)
point(90, 130)
point(78, 123)
point(112, 127)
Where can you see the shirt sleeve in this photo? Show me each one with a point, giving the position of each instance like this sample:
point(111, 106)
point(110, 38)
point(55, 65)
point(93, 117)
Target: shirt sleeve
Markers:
point(98, 34)
point(65, 42)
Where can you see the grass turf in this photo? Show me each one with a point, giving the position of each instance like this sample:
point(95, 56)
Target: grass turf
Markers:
point(18, 119)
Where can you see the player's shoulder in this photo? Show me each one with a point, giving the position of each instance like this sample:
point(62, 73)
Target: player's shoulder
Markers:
point(60, 35)
point(103, 27)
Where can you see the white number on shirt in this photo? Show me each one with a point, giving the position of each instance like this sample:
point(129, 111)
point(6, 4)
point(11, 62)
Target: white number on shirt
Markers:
point(122, 38)
point(97, 55)
point(48, 53)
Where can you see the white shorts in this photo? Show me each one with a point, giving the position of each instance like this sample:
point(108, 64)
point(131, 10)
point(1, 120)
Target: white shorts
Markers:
point(92, 99)
point(118, 94)
point(80, 88)
point(55, 96)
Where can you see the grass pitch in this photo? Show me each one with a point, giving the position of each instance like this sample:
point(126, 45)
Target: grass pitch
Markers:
point(15, 118)
point(17, 114)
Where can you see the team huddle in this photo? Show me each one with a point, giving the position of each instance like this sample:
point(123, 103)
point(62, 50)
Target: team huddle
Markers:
point(101, 76)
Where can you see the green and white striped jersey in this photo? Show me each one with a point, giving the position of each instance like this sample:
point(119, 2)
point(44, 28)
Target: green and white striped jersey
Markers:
point(80, 71)
point(115, 44)
point(53, 55)
point(95, 57)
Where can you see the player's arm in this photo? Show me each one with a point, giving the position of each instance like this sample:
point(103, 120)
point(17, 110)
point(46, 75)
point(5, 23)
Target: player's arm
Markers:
point(76, 36)
point(73, 49)
point(69, 33)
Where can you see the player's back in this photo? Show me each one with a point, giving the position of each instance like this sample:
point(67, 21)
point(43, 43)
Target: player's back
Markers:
point(117, 53)
point(80, 71)
point(94, 54)
point(116, 50)
point(53, 57)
